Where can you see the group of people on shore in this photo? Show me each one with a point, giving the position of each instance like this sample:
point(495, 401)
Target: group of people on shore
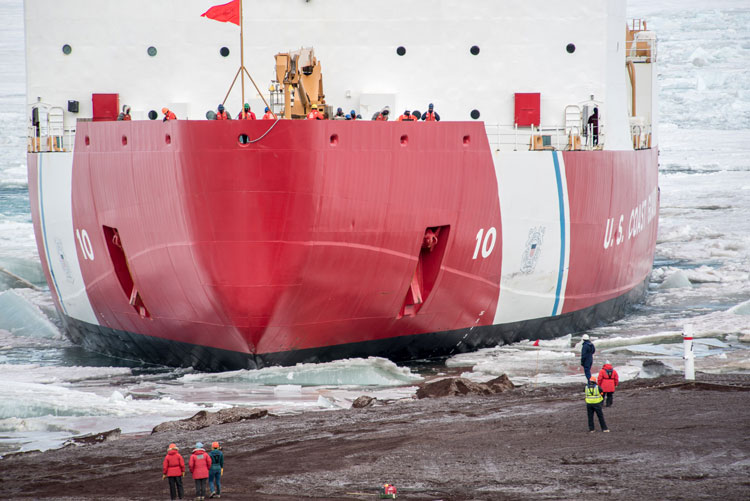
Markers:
point(203, 466)
point(598, 388)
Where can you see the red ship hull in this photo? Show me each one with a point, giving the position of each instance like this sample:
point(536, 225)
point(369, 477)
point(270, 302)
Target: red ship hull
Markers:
point(308, 245)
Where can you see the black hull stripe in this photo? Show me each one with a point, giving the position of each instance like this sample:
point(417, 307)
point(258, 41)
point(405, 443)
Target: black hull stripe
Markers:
point(131, 346)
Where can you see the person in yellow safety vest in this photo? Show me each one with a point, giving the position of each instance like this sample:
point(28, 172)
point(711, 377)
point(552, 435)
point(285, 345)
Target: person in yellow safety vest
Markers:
point(315, 114)
point(594, 401)
point(269, 115)
point(407, 117)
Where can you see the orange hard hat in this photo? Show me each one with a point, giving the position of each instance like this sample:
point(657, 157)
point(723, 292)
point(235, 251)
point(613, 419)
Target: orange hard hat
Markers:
point(164, 110)
point(172, 446)
point(593, 378)
point(215, 445)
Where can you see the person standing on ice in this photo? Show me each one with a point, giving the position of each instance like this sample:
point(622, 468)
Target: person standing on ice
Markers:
point(174, 469)
point(587, 355)
point(200, 465)
point(594, 405)
point(607, 381)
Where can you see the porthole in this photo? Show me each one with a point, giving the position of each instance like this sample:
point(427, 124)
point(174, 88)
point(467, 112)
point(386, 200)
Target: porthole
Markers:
point(571, 48)
point(404, 140)
point(475, 114)
point(474, 50)
point(87, 140)
point(168, 139)
point(243, 139)
point(151, 51)
point(401, 51)
point(153, 115)
point(67, 49)
point(334, 139)
point(224, 51)
point(467, 140)
point(124, 140)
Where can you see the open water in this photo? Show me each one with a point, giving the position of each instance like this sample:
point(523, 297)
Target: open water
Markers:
point(52, 390)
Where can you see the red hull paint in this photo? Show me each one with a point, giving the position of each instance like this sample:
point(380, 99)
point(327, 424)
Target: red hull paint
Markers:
point(604, 185)
point(309, 238)
point(298, 241)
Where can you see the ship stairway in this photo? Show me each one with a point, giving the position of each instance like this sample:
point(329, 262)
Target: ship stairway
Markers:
point(572, 120)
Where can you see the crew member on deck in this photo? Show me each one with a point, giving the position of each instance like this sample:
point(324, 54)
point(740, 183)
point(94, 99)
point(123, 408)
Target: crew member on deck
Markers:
point(382, 116)
point(315, 114)
point(269, 115)
point(407, 117)
point(594, 123)
point(431, 115)
point(339, 114)
point(222, 114)
point(246, 113)
point(125, 115)
point(168, 115)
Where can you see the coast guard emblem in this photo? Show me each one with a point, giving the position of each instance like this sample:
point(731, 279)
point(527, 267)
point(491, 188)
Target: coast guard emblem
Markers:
point(533, 249)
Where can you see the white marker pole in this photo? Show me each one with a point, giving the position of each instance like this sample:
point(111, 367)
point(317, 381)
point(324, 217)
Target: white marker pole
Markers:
point(687, 342)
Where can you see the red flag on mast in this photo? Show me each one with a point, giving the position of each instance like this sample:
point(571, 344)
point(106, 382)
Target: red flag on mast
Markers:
point(226, 13)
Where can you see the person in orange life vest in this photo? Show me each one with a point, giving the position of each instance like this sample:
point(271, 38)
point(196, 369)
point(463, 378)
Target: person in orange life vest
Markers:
point(168, 115)
point(222, 113)
point(174, 469)
point(608, 380)
point(315, 114)
point(353, 115)
point(246, 113)
point(382, 116)
point(269, 115)
point(406, 117)
point(200, 465)
point(125, 115)
point(431, 115)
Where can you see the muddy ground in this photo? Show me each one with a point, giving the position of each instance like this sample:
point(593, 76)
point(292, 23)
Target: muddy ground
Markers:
point(669, 440)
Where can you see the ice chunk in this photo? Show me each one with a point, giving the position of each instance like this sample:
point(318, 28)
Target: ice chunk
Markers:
point(372, 371)
point(677, 280)
point(21, 317)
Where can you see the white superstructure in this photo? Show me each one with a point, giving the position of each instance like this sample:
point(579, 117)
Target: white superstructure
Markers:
point(469, 57)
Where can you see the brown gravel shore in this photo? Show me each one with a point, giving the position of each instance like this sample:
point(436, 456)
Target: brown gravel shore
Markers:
point(669, 440)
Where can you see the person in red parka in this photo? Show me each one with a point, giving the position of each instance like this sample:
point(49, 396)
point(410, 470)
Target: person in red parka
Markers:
point(200, 464)
point(174, 470)
point(608, 380)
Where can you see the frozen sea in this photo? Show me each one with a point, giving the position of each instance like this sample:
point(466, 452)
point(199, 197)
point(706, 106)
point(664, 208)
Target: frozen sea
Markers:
point(52, 390)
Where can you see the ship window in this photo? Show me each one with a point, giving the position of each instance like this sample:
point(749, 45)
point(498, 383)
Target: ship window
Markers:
point(474, 114)
point(151, 51)
point(124, 140)
point(571, 48)
point(224, 51)
point(243, 139)
point(67, 49)
point(401, 51)
point(152, 115)
point(168, 139)
point(474, 49)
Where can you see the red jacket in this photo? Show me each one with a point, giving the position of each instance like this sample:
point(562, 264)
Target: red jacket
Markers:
point(608, 379)
point(200, 463)
point(174, 465)
point(246, 115)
